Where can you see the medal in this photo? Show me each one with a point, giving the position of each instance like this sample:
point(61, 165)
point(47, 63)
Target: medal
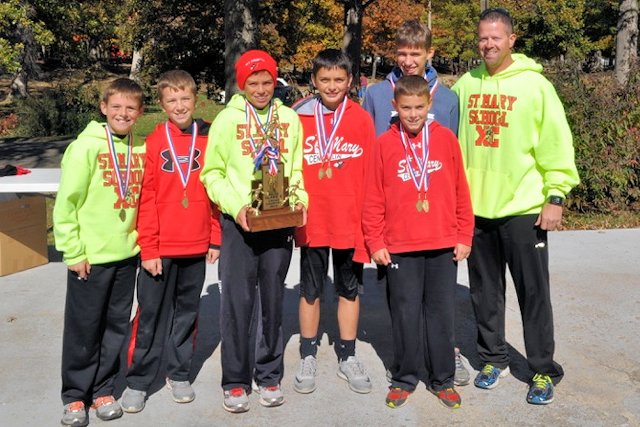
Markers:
point(123, 215)
point(124, 191)
point(270, 133)
point(418, 169)
point(184, 176)
point(326, 144)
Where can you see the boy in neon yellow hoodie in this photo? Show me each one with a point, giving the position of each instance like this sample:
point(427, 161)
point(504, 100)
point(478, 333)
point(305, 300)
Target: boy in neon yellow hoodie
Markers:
point(94, 221)
point(519, 160)
point(240, 141)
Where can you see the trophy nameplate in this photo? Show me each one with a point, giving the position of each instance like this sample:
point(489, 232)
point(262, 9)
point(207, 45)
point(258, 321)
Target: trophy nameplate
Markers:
point(270, 208)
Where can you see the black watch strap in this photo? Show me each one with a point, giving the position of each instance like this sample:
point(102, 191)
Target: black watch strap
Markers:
point(556, 200)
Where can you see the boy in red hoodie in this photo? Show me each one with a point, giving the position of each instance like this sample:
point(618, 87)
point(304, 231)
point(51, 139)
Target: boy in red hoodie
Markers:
point(417, 220)
point(178, 229)
point(338, 136)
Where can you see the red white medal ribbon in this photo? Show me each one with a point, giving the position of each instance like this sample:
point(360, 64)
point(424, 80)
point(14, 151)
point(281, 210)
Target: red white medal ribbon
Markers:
point(266, 147)
point(123, 184)
point(432, 91)
point(184, 177)
point(326, 144)
point(421, 178)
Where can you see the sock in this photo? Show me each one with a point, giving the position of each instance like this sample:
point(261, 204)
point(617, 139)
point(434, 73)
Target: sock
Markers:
point(345, 349)
point(308, 347)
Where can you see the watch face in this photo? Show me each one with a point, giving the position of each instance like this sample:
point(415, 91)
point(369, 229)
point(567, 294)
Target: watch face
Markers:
point(556, 200)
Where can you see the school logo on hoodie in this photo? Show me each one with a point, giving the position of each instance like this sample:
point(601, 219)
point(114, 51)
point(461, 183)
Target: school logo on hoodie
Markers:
point(489, 113)
point(403, 169)
point(342, 151)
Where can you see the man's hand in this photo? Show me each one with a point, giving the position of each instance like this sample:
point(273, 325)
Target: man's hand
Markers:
point(213, 255)
point(241, 219)
point(550, 218)
point(82, 269)
point(461, 252)
point(153, 266)
point(300, 207)
point(381, 256)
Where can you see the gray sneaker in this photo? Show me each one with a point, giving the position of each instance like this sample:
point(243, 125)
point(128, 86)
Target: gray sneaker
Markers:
point(271, 396)
point(181, 391)
point(462, 376)
point(107, 408)
point(352, 371)
point(305, 380)
point(133, 400)
point(236, 400)
point(75, 415)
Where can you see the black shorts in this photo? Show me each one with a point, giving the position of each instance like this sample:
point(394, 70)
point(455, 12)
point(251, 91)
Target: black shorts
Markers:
point(314, 265)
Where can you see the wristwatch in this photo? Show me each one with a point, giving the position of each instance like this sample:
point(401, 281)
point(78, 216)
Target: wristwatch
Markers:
point(555, 200)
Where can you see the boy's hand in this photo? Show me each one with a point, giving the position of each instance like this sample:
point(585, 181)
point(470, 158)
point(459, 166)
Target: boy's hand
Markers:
point(300, 207)
point(213, 255)
point(461, 252)
point(241, 219)
point(381, 256)
point(82, 269)
point(153, 266)
point(550, 218)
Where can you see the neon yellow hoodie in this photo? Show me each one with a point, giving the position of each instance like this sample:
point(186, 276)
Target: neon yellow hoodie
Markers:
point(228, 168)
point(515, 139)
point(87, 216)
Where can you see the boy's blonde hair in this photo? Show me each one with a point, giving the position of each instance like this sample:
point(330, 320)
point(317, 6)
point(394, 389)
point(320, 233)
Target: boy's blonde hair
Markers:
point(415, 34)
point(177, 80)
point(125, 87)
point(411, 85)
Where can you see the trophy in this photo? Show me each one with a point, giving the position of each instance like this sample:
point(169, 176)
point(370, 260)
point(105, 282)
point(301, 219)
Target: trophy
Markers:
point(270, 202)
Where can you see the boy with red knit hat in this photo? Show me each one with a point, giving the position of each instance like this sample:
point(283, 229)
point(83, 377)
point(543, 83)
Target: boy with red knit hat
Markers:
point(254, 129)
point(417, 221)
point(338, 137)
point(178, 230)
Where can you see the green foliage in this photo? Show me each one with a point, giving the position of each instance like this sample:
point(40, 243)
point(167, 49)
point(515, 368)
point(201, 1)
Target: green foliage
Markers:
point(605, 120)
point(63, 110)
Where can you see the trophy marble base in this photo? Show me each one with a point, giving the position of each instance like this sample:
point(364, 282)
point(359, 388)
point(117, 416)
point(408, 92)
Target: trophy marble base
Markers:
point(273, 219)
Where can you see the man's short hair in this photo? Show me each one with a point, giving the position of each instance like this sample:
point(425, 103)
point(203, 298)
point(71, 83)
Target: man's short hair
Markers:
point(415, 34)
point(124, 86)
point(411, 85)
point(331, 58)
point(498, 14)
point(177, 80)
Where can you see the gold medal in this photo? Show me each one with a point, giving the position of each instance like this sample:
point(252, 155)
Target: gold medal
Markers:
point(419, 205)
point(123, 215)
point(185, 202)
point(321, 173)
point(425, 205)
point(329, 172)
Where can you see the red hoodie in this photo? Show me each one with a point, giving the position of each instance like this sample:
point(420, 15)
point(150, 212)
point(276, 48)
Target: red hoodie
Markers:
point(165, 227)
point(335, 204)
point(390, 218)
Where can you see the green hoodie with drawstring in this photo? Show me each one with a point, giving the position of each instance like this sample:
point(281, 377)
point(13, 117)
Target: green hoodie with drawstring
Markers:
point(515, 139)
point(229, 168)
point(90, 220)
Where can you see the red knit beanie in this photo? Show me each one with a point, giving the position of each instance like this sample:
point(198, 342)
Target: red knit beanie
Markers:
point(253, 61)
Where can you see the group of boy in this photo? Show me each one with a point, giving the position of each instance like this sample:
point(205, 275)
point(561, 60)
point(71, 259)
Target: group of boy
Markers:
point(193, 204)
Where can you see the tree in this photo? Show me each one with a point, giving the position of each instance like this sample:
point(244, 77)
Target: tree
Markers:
point(240, 28)
point(626, 40)
point(352, 42)
point(21, 34)
point(454, 31)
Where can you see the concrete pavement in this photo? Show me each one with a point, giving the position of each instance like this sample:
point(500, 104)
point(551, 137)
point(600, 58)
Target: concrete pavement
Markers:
point(596, 295)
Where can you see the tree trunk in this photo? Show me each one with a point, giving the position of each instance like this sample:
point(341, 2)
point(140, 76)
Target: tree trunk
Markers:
point(136, 64)
point(352, 41)
point(240, 31)
point(626, 39)
point(28, 58)
point(374, 67)
point(19, 85)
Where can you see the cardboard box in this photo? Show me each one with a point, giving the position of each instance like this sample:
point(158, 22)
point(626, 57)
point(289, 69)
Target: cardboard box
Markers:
point(23, 234)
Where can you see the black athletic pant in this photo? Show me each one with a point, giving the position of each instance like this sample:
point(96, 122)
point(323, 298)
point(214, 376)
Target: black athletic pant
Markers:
point(96, 322)
point(518, 243)
point(251, 263)
point(422, 292)
point(165, 321)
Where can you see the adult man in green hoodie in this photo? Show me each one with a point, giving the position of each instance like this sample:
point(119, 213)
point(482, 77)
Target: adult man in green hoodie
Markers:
point(519, 160)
